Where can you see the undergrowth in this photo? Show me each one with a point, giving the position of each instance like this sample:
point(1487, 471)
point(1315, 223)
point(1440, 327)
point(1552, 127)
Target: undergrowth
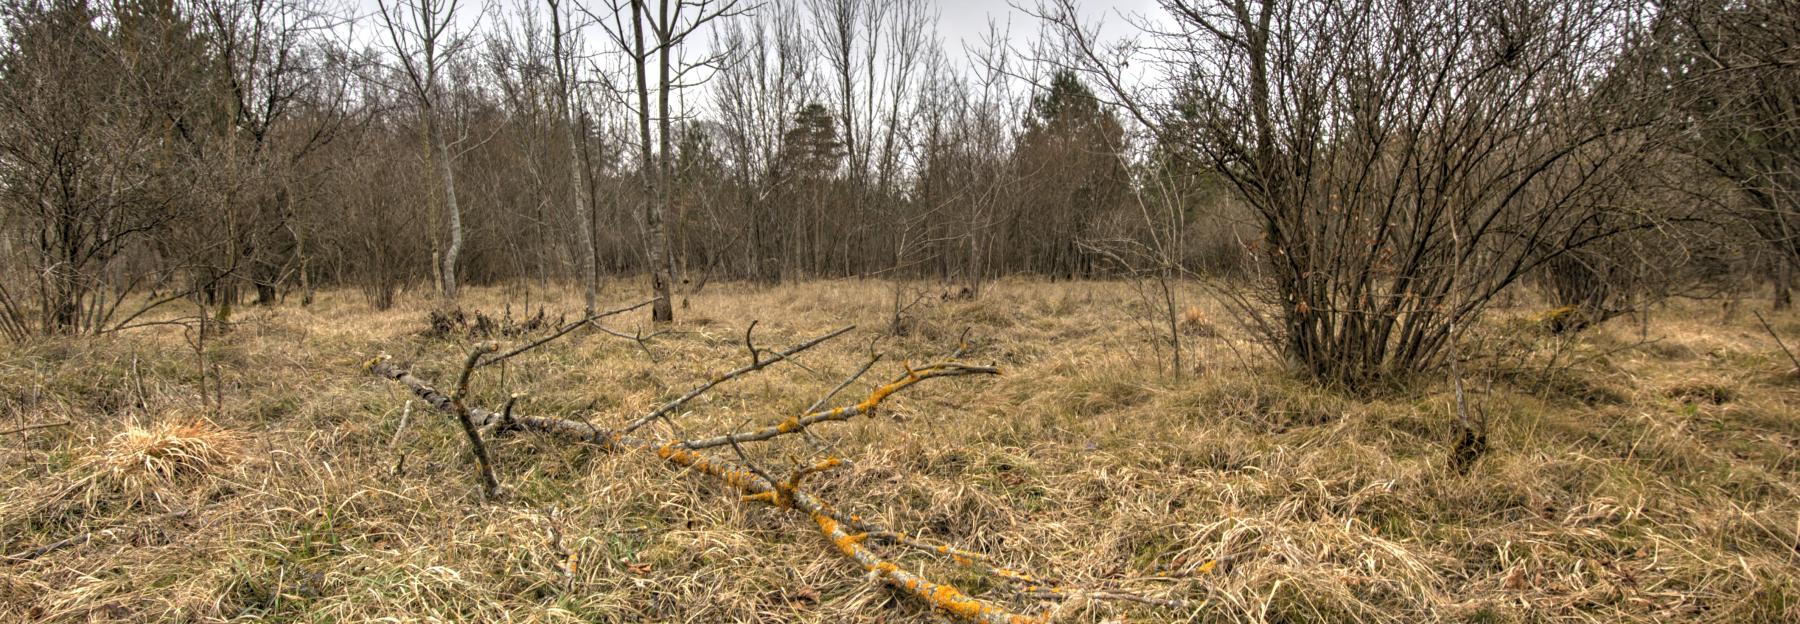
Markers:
point(1630, 478)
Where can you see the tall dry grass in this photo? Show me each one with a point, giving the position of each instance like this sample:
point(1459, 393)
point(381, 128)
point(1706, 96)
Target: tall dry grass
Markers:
point(1628, 482)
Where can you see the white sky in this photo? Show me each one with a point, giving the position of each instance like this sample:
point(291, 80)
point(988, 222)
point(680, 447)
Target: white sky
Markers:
point(967, 20)
point(961, 26)
point(960, 22)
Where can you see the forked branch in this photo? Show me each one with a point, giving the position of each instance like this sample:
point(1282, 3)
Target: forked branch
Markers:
point(490, 485)
point(852, 536)
point(797, 424)
point(754, 366)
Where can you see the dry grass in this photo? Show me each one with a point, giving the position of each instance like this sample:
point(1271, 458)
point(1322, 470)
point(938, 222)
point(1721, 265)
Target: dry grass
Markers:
point(1628, 482)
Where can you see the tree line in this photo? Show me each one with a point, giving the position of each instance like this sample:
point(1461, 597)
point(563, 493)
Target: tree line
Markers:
point(1373, 172)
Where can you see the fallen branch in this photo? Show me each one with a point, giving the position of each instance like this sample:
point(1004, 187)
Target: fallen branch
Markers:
point(560, 333)
point(849, 535)
point(642, 340)
point(1778, 342)
point(818, 443)
point(756, 487)
point(490, 485)
point(746, 481)
point(797, 424)
point(570, 429)
point(36, 426)
point(756, 365)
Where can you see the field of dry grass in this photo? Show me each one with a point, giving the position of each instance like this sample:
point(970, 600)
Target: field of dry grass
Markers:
point(1630, 480)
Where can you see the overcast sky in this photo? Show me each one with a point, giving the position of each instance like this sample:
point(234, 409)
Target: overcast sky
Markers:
point(960, 22)
point(966, 20)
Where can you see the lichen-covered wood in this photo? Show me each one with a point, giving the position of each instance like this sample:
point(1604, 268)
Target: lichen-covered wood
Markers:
point(850, 535)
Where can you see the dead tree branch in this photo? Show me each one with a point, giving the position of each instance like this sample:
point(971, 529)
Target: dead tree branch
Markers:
point(490, 485)
point(852, 536)
point(561, 332)
point(796, 424)
point(1778, 342)
point(759, 364)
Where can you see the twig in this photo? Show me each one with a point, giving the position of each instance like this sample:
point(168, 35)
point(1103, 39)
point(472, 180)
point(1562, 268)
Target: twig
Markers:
point(755, 469)
point(841, 386)
point(394, 442)
point(1778, 342)
point(37, 426)
point(560, 333)
point(506, 413)
point(748, 344)
point(640, 338)
point(759, 365)
point(491, 486)
point(28, 555)
point(796, 424)
point(820, 444)
point(962, 345)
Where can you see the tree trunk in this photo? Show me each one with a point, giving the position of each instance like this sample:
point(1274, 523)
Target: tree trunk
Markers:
point(661, 311)
point(440, 156)
point(665, 165)
point(565, 76)
point(584, 215)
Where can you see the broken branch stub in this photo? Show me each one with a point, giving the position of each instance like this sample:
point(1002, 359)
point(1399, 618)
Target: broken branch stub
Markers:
point(490, 485)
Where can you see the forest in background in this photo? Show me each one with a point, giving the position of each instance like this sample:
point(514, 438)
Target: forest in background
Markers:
point(1253, 312)
point(1367, 176)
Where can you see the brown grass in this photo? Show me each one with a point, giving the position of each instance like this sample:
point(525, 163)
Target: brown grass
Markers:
point(1627, 483)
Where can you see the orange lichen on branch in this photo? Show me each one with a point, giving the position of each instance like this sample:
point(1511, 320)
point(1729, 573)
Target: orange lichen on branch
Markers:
point(792, 425)
point(949, 599)
point(756, 486)
point(881, 393)
point(955, 555)
point(766, 497)
point(782, 495)
point(715, 380)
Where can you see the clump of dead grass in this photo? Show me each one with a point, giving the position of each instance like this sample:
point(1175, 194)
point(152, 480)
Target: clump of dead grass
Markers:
point(152, 463)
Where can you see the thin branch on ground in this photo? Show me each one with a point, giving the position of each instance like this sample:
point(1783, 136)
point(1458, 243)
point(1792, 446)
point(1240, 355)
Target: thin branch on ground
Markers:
point(590, 319)
point(671, 406)
point(37, 426)
point(1778, 342)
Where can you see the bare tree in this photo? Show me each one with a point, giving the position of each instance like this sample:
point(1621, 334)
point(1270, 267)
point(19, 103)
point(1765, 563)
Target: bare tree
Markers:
point(768, 78)
point(670, 25)
point(1734, 67)
point(424, 38)
point(272, 55)
point(108, 128)
point(566, 51)
point(1364, 134)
